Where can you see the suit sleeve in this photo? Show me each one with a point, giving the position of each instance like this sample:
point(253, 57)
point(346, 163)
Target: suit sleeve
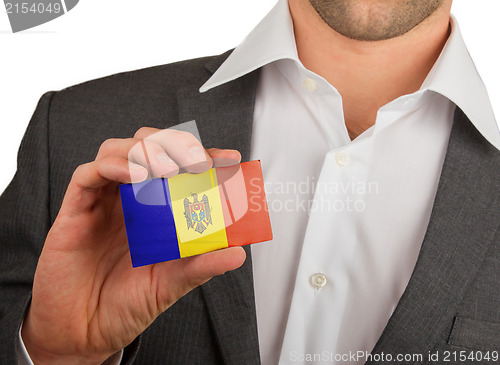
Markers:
point(24, 223)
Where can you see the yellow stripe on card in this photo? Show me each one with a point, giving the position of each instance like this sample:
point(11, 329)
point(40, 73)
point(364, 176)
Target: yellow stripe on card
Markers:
point(197, 211)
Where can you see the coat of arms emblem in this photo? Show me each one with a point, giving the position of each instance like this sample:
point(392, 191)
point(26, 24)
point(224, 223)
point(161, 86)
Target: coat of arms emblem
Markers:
point(197, 213)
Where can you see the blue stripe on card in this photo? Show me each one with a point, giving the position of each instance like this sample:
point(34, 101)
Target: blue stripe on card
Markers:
point(149, 222)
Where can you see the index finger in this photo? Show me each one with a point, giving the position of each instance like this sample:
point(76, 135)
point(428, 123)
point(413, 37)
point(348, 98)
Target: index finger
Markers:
point(182, 147)
point(187, 151)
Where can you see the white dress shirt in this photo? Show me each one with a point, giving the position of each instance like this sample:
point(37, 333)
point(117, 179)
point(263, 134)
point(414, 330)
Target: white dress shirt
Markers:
point(348, 217)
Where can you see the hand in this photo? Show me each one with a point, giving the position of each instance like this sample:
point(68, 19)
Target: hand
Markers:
point(88, 302)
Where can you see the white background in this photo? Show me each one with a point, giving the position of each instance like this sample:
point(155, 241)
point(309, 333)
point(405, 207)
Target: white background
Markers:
point(98, 38)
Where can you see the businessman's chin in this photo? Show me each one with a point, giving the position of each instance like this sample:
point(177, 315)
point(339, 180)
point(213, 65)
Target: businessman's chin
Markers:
point(374, 20)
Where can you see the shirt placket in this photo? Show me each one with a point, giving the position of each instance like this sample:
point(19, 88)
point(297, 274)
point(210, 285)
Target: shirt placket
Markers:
point(330, 239)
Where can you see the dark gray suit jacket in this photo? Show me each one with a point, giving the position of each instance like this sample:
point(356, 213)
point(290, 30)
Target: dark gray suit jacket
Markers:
point(451, 303)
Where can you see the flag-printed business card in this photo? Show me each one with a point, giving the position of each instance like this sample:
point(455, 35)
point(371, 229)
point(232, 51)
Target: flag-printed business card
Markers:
point(191, 214)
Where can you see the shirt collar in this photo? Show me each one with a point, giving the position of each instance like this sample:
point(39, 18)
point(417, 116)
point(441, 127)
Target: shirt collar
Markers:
point(453, 75)
point(271, 40)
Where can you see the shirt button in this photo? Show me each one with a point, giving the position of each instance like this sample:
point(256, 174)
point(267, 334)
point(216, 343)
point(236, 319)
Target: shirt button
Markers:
point(310, 85)
point(342, 158)
point(318, 280)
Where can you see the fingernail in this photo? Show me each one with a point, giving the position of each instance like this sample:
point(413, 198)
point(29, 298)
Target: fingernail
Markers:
point(134, 166)
point(197, 154)
point(138, 173)
point(164, 159)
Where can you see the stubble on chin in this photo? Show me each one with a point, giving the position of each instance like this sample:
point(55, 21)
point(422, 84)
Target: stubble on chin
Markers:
point(368, 20)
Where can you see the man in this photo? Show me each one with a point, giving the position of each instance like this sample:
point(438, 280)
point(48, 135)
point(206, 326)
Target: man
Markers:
point(380, 95)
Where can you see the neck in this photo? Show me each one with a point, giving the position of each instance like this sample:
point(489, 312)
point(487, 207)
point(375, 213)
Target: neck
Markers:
point(368, 75)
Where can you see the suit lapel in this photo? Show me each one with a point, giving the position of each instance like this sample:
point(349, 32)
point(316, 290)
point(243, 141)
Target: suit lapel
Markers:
point(224, 117)
point(464, 219)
